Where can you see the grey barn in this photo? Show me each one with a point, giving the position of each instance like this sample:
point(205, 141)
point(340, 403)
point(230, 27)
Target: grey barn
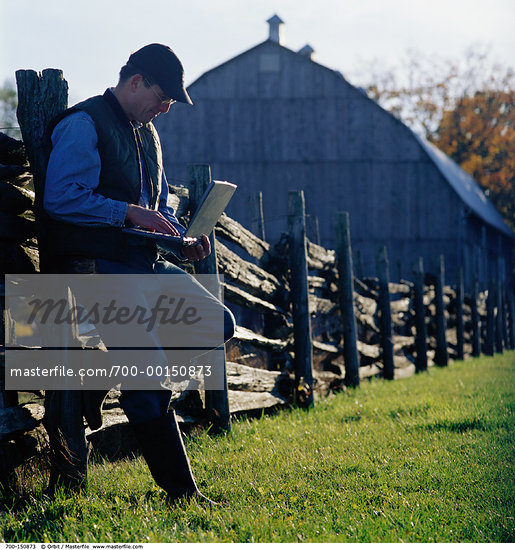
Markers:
point(273, 120)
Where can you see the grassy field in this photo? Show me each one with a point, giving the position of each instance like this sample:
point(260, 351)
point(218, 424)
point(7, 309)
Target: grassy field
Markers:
point(425, 459)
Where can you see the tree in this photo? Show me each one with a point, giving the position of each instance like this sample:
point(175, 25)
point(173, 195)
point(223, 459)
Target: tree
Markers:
point(464, 107)
point(8, 104)
point(479, 134)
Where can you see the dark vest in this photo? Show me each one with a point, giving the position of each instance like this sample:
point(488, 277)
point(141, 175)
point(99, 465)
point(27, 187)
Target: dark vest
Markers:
point(120, 179)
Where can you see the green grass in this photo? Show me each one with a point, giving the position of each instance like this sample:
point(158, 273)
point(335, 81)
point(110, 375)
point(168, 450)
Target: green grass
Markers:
point(425, 459)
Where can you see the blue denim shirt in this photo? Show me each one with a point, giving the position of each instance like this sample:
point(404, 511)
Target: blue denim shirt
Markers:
point(73, 175)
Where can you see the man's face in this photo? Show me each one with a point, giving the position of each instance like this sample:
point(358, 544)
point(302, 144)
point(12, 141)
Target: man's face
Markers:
point(147, 101)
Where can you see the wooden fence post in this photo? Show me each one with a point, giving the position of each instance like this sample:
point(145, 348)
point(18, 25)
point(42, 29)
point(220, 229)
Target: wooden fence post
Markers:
point(313, 229)
point(359, 265)
point(441, 353)
point(257, 219)
point(460, 330)
point(511, 322)
point(505, 318)
point(490, 320)
point(346, 294)
point(41, 97)
point(303, 345)
point(476, 330)
point(385, 321)
point(216, 401)
point(420, 316)
point(500, 331)
point(398, 263)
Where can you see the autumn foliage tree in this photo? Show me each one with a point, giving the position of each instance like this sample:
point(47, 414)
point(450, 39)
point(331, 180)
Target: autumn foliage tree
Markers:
point(479, 134)
point(466, 108)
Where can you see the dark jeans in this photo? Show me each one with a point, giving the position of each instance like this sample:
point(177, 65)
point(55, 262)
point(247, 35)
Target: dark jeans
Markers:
point(144, 405)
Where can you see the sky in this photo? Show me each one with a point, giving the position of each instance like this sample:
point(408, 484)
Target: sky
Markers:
point(90, 40)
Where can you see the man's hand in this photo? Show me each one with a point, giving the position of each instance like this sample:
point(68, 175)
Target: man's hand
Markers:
point(198, 251)
point(150, 219)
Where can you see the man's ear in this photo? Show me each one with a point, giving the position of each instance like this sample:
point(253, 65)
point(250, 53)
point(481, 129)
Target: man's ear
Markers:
point(135, 82)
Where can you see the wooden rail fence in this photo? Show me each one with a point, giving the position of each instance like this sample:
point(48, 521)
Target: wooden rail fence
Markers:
point(306, 324)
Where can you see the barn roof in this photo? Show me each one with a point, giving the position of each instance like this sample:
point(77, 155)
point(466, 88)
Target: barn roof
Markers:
point(466, 187)
point(257, 47)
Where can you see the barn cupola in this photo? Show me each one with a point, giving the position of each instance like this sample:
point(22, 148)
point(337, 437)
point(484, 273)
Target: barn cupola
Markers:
point(307, 51)
point(275, 33)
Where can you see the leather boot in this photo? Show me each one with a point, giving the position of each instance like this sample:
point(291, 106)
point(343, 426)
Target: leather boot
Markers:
point(162, 446)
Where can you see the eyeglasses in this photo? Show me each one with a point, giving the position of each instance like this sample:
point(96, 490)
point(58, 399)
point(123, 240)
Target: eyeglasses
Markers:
point(163, 99)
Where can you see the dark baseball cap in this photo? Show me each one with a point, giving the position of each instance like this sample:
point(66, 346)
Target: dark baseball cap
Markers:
point(160, 65)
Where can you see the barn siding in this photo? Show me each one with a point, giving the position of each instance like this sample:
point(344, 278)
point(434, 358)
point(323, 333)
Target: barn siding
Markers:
point(272, 120)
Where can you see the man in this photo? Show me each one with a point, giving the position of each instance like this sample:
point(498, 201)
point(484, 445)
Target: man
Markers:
point(105, 172)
